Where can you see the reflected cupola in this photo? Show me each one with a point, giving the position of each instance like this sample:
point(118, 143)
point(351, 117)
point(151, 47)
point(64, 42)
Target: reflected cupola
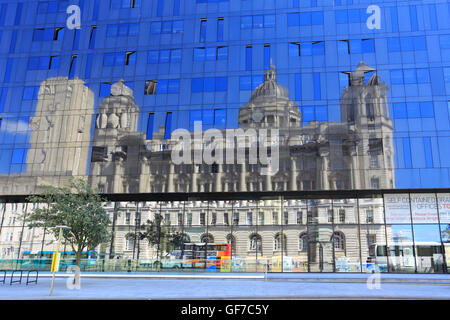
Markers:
point(270, 106)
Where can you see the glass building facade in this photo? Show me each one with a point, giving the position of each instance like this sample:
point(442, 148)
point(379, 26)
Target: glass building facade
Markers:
point(274, 102)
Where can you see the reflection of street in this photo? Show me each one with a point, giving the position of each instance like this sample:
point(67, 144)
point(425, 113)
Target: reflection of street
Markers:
point(213, 286)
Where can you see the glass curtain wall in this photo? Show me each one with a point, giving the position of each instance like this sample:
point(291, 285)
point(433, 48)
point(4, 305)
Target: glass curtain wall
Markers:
point(397, 233)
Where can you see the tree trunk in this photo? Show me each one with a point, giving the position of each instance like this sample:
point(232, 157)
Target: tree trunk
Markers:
point(77, 268)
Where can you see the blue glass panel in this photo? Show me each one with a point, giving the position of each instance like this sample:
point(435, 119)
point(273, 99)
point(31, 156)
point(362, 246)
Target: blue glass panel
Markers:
point(112, 30)
point(220, 24)
point(413, 18)
point(92, 39)
point(164, 56)
point(195, 115)
point(428, 152)
point(293, 19)
point(321, 113)
point(175, 55)
point(197, 85)
point(222, 53)
point(368, 46)
point(18, 13)
point(419, 43)
point(220, 118)
point(162, 86)
point(396, 76)
point(343, 48)
point(407, 153)
point(202, 31)
point(394, 19)
point(155, 27)
point(208, 117)
point(341, 16)
point(258, 21)
point(413, 109)
point(427, 109)
point(409, 76)
point(211, 53)
point(269, 21)
point(306, 48)
point(294, 49)
point(444, 41)
point(221, 84)
point(245, 83)
point(423, 76)
point(153, 56)
point(176, 7)
point(199, 54)
point(246, 22)
point(305, 18)
point(400, 111)
point(122, 30)
point(298, 87)
point(18, 156)
point(308, 113)
point(12, 46)
point(318, 48)
point(109, 59)
point(316, 18)
point(393, 44)
point(160, 8)
point(105, 89)
point(248, 58)
point(209, 85)
point(3, 8)
point(3, 93)
point(317, 89)
point(266, 57)
point(168, 126)
point(166, 27)
point(151, 119)
point(354, 16)
point(173, 86)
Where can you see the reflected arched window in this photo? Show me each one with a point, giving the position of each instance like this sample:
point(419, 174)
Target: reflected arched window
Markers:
point(207, 238)
point(338, 241)
point(255, 243)
point(303, 242)
point(279, 242)
point(232, 240)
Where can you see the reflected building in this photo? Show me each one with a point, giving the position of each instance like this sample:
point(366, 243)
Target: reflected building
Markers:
point(356, 153)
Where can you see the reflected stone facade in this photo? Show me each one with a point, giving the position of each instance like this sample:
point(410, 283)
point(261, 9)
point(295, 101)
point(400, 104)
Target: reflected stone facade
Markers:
point(356, 153)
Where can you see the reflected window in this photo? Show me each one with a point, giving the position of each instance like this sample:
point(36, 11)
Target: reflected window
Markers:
point(375, 183)
point(341, 215)
point(235, 218)
point(280, 242)
point(249, 218)
point(303, 242)
point(339, 241)
point(207, 238)
point(226, 219)
point(202, 219)
point(369, 216)
point(189, 219)
point(255, 243)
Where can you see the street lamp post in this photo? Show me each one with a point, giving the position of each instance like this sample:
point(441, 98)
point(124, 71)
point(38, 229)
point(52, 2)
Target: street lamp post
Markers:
point(55, 268)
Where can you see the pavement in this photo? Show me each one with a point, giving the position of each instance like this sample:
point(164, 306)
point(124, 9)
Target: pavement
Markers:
point(139, 286)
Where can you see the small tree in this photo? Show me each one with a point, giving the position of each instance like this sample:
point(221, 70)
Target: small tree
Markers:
point(78, 207)
point(161, 235)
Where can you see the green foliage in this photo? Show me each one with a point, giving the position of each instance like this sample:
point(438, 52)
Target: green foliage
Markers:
point(76, 206)
point(160, 234)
